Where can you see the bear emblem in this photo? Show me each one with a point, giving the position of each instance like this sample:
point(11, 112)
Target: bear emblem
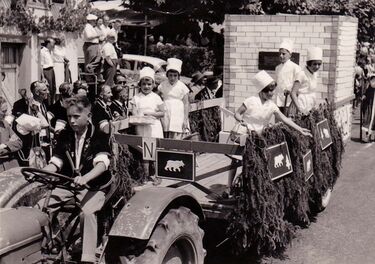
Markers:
point(174, 165)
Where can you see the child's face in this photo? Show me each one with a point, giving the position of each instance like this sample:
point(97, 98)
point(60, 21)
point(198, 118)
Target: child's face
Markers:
point(315, 65)
point(146, 85)
point(284, 55)
point(78, 118)
point(267, 92)
point(172, 77)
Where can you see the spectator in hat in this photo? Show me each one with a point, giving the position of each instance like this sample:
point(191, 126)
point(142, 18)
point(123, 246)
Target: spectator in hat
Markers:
point(303, 91)
point(176, 98)
point(286, 75)
point(198, 82)
point(91, 39)
point(213, 89)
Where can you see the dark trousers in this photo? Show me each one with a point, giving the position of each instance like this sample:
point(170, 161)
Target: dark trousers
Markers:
point(109, 72)
point(90, 51)
point(49, 74)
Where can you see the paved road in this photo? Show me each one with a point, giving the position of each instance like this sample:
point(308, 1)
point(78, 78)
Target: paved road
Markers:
point(345, 232)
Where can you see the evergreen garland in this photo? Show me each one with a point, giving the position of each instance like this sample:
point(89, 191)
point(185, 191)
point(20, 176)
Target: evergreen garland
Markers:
point(207, 122)
point(121, 170)
point(267, 212)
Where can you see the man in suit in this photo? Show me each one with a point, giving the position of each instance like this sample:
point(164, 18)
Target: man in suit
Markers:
point(101, 113)
point(118, 106)
point(213, 89)
point(37, 108)
point(82, 152)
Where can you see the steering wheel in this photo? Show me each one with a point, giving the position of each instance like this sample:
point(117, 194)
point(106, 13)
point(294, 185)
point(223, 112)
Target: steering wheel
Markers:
point(55, 180)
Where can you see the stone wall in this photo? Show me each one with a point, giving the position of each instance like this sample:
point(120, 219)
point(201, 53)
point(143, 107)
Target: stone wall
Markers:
point(246, 36)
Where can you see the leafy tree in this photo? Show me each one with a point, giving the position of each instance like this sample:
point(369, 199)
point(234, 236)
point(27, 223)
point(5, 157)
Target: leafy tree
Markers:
point(213, 11)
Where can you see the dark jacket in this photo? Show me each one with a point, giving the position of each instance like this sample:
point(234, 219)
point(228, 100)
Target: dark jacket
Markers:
point(58, 112)
point(115, 107)
point(100, 113)
point(95, 142)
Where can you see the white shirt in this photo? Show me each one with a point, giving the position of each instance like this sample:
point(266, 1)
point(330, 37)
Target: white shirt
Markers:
point(46, 59)
point(59, 54)
point(90, 34)
point(109, 50)
point(257, 114)
point(79, 142)
point(113, 31)
point(286, 75)
point(106, 30)
point(308, 81)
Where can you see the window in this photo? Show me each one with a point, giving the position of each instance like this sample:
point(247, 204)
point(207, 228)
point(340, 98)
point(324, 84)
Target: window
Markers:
point(10, 53)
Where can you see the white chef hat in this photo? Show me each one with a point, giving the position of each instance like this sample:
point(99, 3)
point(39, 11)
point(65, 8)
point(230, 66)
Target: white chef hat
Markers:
point(314, 53)
point(174, 64)
point(261, 80)
point(147, 72)
point(287, 44)
point(91, 17)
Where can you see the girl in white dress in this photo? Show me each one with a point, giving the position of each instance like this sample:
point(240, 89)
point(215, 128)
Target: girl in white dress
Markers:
point(176, 97)
point(148, 103)
point(304, 89)
point(256, 111)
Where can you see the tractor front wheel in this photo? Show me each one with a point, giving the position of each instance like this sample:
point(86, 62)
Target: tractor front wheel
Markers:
point(177, 239)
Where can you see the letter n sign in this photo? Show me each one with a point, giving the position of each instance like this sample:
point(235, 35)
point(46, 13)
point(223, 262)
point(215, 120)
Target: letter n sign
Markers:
point(149, 148)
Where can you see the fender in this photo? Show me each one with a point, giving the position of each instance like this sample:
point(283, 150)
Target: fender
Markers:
point(13, 187)
point(141, 213)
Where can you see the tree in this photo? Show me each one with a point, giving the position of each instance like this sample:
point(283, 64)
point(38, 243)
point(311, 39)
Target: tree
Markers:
point(212, 11)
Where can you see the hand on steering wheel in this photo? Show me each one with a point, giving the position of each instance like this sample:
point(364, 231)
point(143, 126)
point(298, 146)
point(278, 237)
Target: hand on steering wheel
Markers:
point(51, 179)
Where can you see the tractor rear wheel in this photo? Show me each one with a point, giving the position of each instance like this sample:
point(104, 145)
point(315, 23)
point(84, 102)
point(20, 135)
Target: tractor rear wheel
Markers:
point(177, 239)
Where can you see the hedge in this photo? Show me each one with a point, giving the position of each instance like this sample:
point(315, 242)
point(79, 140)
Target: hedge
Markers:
point(194, 58)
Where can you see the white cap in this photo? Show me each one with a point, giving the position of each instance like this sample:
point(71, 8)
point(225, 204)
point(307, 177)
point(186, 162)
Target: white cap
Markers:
point(91, 17)
point(314, 53)
point(261, 80)
point(174, 64)
point(287, 44)
point(147, 72)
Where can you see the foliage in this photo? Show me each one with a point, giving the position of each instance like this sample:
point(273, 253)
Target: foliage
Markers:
point(207, 123)
point(364, 10)
point(212, 11)
point(69, 20)
point(267, 212)
point(194, 58)
point(20, 16)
